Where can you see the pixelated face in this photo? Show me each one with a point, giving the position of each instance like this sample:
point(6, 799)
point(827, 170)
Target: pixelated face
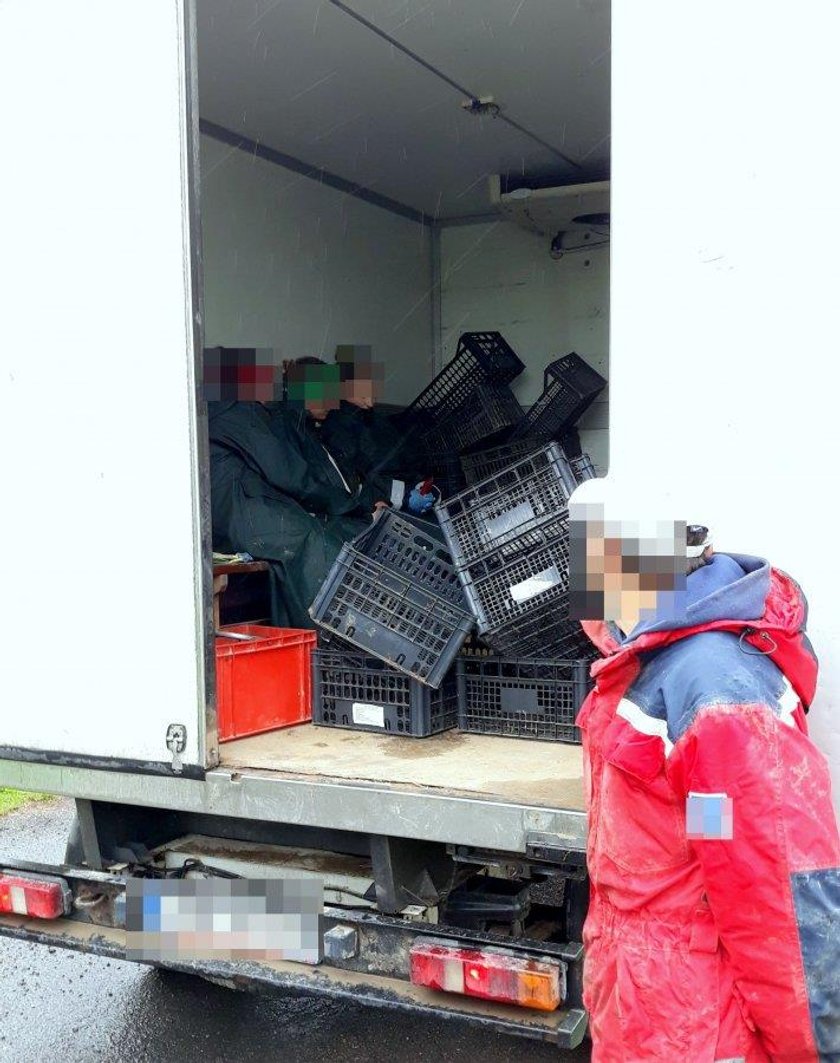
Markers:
point(316, 388)
point(625, 568)
point(240, 374)
point(361, 376)
point(361, 392)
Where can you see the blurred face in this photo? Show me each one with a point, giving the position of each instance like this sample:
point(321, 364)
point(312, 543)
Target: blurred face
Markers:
point(362, 392)
point(316, 388)
point(240, 374)
point(625, 571)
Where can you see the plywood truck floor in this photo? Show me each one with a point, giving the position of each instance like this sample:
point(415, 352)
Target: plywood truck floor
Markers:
point(534, 773)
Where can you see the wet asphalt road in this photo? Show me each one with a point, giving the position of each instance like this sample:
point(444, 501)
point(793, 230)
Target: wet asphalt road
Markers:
point(62, 1005)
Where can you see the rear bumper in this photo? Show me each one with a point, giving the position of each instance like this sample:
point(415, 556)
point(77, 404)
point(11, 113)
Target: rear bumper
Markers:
point(564, 1027)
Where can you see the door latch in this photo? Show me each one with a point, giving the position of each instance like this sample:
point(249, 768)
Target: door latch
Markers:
point(176, 743)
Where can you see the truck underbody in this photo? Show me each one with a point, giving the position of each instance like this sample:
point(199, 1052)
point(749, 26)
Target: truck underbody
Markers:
point(471, 852)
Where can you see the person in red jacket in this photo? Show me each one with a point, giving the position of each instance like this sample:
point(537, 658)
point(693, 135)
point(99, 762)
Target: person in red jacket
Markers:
point(713, 932)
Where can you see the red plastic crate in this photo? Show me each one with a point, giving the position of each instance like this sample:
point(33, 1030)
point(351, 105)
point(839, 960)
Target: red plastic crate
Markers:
point(263, 683)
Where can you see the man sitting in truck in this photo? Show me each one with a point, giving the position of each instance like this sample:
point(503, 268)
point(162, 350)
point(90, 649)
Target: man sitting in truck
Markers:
point(276, 490)
point(331, 410)
point(273, 494)
point(329, 431)
point(713, 931)
point(360, 435)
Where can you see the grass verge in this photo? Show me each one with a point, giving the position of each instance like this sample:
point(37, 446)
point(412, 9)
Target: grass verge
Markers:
point(12, 799)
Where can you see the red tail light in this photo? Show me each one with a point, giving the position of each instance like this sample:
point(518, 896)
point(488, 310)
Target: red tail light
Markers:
point(39, 896)
point(489, 974)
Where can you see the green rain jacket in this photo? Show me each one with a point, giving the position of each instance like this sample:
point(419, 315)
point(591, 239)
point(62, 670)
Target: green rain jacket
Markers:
point(275, 496)
point(366, 443)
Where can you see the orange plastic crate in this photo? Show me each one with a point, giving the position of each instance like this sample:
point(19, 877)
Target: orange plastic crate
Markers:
point(264, 683)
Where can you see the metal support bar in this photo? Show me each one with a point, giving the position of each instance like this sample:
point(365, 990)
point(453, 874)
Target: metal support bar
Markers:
point(437, 297)
point(87, 829)
point(410, 872)
point(316, 173)
point(461, 819)
point(486, 218)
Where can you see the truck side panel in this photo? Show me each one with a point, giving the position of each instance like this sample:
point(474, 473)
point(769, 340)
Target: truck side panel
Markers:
point(724, 327)
point(97, 395)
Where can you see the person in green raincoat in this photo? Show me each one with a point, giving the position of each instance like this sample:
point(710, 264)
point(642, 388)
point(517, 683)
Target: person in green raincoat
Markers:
point(277, 494)
point(361, 448)
point(365, 440)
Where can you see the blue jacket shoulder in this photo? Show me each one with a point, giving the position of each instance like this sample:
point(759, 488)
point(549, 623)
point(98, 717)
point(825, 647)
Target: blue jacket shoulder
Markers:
point(710, 668)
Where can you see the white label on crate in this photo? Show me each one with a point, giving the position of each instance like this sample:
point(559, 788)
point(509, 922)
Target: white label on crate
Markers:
point(369, 715)
point(534, 585)
point(509, 521)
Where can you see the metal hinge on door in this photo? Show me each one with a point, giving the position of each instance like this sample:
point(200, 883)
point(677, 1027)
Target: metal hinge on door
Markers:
point(176, 743)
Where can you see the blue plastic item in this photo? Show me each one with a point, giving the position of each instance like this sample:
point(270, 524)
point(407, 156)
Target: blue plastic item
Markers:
point(420, 503)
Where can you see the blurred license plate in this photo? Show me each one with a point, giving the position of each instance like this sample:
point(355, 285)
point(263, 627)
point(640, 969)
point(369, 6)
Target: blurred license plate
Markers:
point(221, 918)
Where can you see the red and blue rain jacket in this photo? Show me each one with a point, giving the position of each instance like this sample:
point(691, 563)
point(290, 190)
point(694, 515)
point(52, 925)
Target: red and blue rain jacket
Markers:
point(713, 932)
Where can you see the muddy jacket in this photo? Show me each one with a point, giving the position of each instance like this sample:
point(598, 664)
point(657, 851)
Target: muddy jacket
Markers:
point(714, 924)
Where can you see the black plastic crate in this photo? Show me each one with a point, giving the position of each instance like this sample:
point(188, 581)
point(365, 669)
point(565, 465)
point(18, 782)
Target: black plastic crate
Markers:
point(489, 410)
point(480, 464)
point(352, 690)
point(475, 647)
point(542, 632)
point(570, 385)
point(522, 699)
point(413, 548)
point(526, 575)
point(582, 468)
point(445, 469)
point(500, 512)
point(390, 615)
point(480, 358)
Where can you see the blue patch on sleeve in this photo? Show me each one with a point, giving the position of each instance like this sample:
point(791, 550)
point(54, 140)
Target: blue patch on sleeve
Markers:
point(708, 817)
point(816, 898)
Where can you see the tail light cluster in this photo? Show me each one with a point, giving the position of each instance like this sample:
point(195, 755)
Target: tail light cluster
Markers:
point(491, 974)
point(39, 896)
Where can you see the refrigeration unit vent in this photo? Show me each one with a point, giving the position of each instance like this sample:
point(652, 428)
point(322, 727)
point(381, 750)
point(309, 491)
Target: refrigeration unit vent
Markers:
point(550, 211)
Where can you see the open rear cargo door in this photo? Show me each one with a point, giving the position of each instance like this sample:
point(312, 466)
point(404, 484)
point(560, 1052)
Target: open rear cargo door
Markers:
point(105, 596)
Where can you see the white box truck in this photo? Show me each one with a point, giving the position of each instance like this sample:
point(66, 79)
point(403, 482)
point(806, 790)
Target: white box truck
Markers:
point(192, 173)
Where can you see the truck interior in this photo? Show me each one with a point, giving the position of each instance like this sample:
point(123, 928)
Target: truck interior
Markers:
point(394, 175)
point(383, 175)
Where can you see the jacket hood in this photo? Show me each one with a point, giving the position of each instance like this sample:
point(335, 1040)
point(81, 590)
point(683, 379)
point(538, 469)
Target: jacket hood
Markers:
point(729, 587)
point(737, 593)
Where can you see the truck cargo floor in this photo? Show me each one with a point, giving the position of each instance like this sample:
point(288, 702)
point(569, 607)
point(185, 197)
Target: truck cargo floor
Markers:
point(518, 770)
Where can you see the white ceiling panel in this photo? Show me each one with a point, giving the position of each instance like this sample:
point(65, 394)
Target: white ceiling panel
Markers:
point(308, 79)
point(545, 61)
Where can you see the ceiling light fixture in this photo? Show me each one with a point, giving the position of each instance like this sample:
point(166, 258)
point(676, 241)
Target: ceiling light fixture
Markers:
point(482, 106)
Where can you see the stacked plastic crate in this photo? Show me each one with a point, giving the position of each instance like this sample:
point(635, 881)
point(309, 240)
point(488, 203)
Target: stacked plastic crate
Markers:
point(570, 386)
point(354, 690)
point(395, 618)
point(392, 602)
point(509, 540)
point(468, 404)
point(477, 466)
point(402, 598)
point(481, 359)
